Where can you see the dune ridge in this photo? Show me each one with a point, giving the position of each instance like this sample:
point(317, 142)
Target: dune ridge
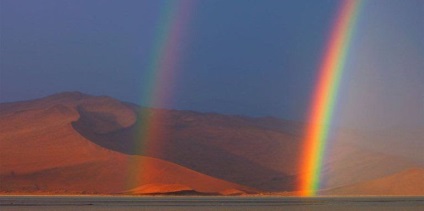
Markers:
point(41, 152)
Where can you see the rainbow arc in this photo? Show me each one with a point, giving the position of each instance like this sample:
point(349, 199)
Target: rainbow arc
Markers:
point(159, 78)
point(325, 95)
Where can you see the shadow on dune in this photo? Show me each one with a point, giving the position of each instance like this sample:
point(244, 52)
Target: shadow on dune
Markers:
point(196, 152)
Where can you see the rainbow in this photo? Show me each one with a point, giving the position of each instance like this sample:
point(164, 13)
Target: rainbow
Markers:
point(159, 79)
point(325, 95)
point(161, 72)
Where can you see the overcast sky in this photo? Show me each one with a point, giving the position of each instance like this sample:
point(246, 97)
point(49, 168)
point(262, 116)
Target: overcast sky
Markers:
point(249, 57)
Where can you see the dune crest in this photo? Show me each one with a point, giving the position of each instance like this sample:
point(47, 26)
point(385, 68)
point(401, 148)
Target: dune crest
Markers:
point(41, 152)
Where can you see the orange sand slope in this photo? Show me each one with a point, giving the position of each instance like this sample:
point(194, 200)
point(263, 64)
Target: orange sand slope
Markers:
point(41, 152)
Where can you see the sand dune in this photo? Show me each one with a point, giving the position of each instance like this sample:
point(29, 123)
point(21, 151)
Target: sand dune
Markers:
point(77, 143)
point(41, 152)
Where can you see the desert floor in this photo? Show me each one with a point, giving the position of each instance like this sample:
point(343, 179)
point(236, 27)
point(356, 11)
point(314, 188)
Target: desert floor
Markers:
point(127, 203)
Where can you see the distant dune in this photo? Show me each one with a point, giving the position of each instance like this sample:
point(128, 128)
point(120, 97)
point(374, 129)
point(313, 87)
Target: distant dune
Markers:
point(348, 164)
point(407, 182)
point(76, 143)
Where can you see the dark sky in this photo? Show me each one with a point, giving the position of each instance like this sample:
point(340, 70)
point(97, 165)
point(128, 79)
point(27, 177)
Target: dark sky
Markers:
point(250, 57)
